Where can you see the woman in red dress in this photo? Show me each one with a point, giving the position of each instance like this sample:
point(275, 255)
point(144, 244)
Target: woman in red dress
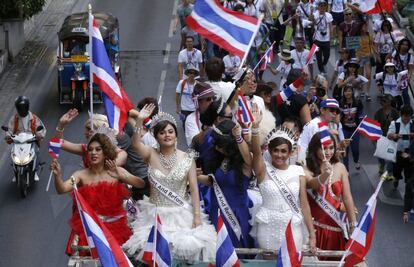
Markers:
point(102, 186)
point(328, 180)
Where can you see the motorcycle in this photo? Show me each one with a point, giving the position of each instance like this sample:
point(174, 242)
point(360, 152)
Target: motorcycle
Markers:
point(79, 87)
point(24, 158)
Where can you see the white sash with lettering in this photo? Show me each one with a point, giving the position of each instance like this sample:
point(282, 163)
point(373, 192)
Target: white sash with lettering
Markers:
point(329, 210)
point(226, 210)
point(284, 190)
point(169, 194)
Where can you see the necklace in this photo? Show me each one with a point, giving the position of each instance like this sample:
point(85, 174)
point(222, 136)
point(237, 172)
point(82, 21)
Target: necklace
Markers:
point(168, 162)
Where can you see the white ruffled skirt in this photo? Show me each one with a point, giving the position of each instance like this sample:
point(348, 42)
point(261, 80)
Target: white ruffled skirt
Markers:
point(186, 243)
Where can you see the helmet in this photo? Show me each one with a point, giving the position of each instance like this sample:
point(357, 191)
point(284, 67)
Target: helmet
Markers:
point(22, 105)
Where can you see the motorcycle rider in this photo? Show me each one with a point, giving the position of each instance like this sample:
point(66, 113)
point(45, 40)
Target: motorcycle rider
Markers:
point(25, 121)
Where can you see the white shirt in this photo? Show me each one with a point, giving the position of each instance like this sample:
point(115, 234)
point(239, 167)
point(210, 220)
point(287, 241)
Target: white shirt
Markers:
point(192, 127)
point(378, 22)
point(231, 64)
point(391, 85)
point(187, 58)
point(186, 92)
point(251, 10)
point(149, 140)
point(360, 79)
point(337, 6)
point(256, 100)
point(300, 59)
point(306, 23)
point(222, 89)
point(322, 24)
point(404, 129)
point(384, 41)
point(309, 130)
point(284, 70)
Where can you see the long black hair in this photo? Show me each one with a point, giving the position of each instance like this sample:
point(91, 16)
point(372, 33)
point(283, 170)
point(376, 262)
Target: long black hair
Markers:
point(227, 142)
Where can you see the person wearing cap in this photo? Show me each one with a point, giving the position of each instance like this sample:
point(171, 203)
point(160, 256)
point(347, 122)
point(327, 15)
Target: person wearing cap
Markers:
point(231, 65)
point(390, 82)
point(322, 21)
point(348, 28)
point(203, 95)
point(189, 56)
point(300, 55)
point(286, 63)
point(351, 76)
point(351, 116)
point(184, 94)
point(329, 110)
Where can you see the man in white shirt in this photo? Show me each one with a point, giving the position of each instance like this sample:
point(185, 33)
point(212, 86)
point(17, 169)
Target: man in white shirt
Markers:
point(184, 94)
point(329, 109)
point(231, 65)
point(189, 56)
point(305, 9)
point(337, 11)
point(299, 55)
point(322, 21)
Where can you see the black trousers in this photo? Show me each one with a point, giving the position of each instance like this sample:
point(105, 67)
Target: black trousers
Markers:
point(402, 165)
point(322, 55)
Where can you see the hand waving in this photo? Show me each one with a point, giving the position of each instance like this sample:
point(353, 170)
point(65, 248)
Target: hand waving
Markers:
point(257, 114)
point(146, 111)
point(69, 116)
point(112, 169)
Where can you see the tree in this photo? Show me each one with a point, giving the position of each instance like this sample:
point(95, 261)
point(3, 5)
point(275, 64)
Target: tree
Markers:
point(22, 9)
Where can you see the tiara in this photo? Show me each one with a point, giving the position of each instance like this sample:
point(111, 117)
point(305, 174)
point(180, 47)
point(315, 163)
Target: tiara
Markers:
point(217, 131)
point(162, 116)
point(108, 132)
point(281, 132)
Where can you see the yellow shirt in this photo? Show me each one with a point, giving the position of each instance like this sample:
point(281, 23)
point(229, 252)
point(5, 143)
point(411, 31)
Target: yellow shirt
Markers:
point(365, 48)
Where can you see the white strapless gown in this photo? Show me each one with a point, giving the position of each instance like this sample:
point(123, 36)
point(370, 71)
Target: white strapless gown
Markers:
point(274, 215)
point(186, 243)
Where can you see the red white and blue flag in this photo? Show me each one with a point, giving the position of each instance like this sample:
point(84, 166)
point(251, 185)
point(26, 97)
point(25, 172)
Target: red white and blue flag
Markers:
point(371, 129)
point(54, 147)
point(288, 256)
point(116, 101)
point(376, 6)
point(359, 244)
point(225, 254)
point(284, 95)
point(156, 250)
point(324, 133)
point(243, 113)
point(312, 52)
point(268, 58)
point(231, 30)
point(102, 243)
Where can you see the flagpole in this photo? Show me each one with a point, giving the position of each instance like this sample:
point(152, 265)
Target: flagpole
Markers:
point(358, 127)
point(48, 182)
point(154, 253)
point(251, 41)
point(90, 67)
point(261, 59)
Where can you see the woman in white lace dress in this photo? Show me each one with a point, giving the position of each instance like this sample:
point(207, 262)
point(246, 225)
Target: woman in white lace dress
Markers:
point(274, 175)
point(191, 236)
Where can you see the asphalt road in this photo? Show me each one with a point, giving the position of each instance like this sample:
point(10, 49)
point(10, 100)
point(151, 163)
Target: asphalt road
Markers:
point(34, 231)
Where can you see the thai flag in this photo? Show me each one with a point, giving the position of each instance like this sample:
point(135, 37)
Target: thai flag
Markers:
point(360, 242)
point(156, 250)
point(376, 6)
point(115, 99)
point(100, 240)
point(371, 129)
point(233, 31)
point(54, 147)
point(268, 58)
point(324, 133)
point(225, 255)
point(312, 52)
point(284, 95)
point(243, 113)
point(288, 256)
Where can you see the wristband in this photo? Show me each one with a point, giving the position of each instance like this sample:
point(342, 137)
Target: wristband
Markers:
point(60, 130)
point(255, 131)
point(239, 140)
point(245, 130)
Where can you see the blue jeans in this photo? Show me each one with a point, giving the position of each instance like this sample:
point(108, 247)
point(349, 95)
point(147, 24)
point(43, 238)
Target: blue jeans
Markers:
point(209, 49)
point(354, 147)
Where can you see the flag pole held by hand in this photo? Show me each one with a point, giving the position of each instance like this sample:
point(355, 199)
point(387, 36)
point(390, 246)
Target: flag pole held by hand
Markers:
point(48, 182)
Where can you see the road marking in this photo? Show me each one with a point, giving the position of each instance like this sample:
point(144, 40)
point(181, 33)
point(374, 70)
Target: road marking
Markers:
point(174, 11)
point(161, 87)
point(167, 52)
point(171, 30)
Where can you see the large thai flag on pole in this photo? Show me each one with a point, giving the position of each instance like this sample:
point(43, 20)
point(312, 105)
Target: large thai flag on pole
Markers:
point(115, 99)
point(288, 256)
point(360, 242)
point(156, 250)
point(371, 129)
point(54, 147)
point(100, 240)
point(376, 6)
point(225, 254)
point(324, 133)
point(243, 113)
point(233, 31)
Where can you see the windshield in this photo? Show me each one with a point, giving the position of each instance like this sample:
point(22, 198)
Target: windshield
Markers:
point(75, 47)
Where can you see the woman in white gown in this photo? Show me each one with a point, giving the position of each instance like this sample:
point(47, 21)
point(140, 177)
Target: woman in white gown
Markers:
point(190, 235)
point(274, 175)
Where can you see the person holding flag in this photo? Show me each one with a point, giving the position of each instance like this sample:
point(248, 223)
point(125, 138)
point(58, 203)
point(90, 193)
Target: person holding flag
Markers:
point(102, 185)
point(330, 191)
point(300, 55)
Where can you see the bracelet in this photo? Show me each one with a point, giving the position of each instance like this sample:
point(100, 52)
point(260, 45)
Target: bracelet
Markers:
point(353, 224)
point(245, 130)
point(60, 130)
point(137, 130)
point(239, 140)
point(125, 176)
point(255, 131)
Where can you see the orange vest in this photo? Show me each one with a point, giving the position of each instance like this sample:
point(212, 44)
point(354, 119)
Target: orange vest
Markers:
point(32, 124)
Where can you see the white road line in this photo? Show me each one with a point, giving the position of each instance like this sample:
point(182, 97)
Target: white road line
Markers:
point(167, 52)
point(171, 30)
point(161, 87)
point(174, 11)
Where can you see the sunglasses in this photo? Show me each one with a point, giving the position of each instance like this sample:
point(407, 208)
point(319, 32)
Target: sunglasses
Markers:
point(348, 14)
point(334, 110)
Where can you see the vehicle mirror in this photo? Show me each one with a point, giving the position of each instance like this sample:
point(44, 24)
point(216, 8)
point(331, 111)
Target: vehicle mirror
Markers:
point(39, 128)
point(5, 128)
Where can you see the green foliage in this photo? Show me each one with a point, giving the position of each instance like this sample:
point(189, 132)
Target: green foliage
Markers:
point(22, 9)
point(401, 4)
